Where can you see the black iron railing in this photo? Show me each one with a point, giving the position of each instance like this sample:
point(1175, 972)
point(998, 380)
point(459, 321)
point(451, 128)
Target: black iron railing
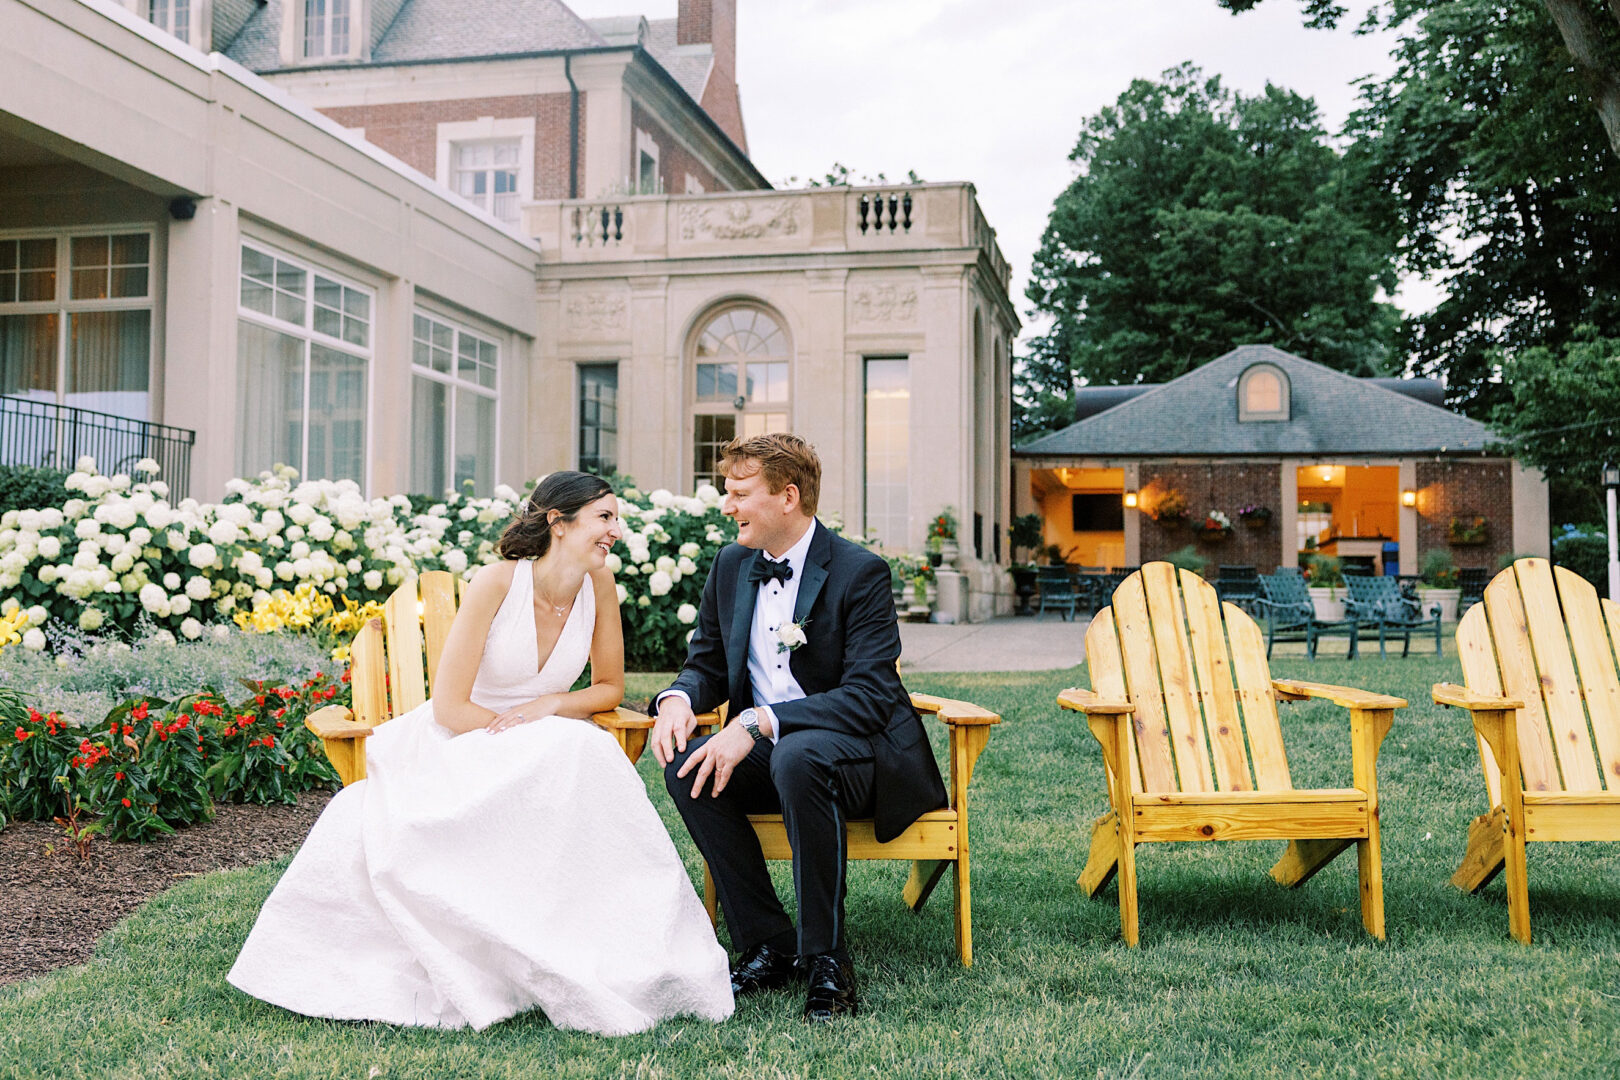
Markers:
point(44, 434)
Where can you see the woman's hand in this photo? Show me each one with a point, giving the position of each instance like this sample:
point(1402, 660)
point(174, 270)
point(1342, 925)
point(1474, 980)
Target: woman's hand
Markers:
point(527, 712)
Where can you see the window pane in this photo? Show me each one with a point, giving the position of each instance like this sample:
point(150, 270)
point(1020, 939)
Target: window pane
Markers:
point(270, 399)
point(710, 434)
point(89, 251)
point(90, 284)
point(328, 322)
point(109, 362)
point(888, 441)
point(129, 281)
point(290, 278)
point(356, 303)
point(599, 417)
point(337, 415)
point(289, 308)
point(430, 424)
point(131, 249)
point(258, 265)
point(256, 297)
point(28, 356)
point(475, 441)
point(328, 294)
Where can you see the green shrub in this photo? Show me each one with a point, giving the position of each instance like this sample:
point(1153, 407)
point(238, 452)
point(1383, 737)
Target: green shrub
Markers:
point(1187, 558)
point(1438, 569)
point(35, 750)
point(1325, 571)
point(1585, 550)
point(22, 486)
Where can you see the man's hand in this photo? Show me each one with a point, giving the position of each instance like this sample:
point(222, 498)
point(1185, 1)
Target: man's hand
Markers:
point(718, 757)
point(672, 727)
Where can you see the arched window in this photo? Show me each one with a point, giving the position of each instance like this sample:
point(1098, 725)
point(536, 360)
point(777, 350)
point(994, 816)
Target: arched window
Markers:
point(1263, 393)
point(740, 384)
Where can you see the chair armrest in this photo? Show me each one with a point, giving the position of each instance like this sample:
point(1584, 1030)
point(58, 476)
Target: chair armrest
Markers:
point(1346, 696)
point(712, 721)
point(953, 712)
point(336, 722)
point(1464, 698)
point(622, 719)
point(1077, 699)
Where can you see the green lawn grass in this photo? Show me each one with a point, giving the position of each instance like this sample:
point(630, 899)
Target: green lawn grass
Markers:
point(1235, 977)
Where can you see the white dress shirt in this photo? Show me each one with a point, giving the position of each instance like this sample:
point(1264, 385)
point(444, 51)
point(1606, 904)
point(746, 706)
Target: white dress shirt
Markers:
point(769, 673)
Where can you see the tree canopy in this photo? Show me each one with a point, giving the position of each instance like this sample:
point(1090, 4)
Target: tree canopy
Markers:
point(1200, 220)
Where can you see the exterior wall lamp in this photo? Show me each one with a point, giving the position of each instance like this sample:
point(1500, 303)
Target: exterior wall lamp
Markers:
point(1611, 475)
point(1130, 500)
point(1408, 497)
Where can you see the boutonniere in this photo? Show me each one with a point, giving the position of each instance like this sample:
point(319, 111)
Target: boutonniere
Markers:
point(790, 635)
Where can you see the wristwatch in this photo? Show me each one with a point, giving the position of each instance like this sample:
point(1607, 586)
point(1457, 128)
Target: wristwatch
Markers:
point(749, 719)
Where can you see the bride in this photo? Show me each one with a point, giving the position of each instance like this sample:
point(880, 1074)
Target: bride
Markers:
point(502, 855)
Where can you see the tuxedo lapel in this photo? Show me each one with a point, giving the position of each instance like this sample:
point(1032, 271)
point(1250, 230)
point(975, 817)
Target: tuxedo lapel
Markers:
point(742, 622)
point(815, 572)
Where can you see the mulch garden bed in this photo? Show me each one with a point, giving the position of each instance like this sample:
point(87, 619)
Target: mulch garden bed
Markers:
point(53, 906)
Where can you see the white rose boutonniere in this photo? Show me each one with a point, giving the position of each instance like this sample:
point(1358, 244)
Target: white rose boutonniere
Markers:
point(789, 636)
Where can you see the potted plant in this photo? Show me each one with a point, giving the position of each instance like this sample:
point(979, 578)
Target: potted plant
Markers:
point(942, 538)
point(1215, 527)
point(1325, 577)
point(1168, 507)
point(1468, 530)
point(1438, 575)
point(1025, 534)
point(921, 598)
point(1254, 515)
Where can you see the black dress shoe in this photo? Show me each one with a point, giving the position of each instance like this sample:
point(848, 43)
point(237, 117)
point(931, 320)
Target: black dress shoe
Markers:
point(762, 968)
point(832, 989)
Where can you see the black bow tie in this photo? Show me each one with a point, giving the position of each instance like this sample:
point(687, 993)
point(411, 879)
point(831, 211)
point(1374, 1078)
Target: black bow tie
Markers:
point(767, 570)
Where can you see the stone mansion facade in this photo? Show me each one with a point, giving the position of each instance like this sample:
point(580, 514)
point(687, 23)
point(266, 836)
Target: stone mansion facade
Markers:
point(417, 243)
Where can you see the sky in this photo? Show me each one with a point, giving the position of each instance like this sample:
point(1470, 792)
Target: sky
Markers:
point(995, 91)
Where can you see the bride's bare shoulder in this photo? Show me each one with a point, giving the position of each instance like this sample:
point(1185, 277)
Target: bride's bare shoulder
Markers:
point(603, 585)
point(491, 582)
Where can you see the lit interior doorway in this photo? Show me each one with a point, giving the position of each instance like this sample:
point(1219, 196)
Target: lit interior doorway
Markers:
point(1351, 512)
point(1082, 514)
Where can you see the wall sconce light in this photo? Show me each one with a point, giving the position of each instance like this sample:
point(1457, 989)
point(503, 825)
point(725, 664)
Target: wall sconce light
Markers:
point(1408, 497)
point(1130, 500)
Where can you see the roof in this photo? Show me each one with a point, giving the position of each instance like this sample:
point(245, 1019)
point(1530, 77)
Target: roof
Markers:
point(439, 30)
point(1330, 413)
point(688, 65)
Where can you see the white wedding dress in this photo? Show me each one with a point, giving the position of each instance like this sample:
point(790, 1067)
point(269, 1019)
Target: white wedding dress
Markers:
point(474, 877)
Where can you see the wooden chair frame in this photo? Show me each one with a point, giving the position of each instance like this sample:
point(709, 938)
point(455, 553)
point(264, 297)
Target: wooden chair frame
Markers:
point(935, 843)
point(1181, 716)
point(1539, 656)
point(393, 661)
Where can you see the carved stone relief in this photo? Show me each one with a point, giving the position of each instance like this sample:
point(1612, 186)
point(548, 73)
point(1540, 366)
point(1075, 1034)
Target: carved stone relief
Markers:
point(596, 312)
point(883, 303)
point(743, 219)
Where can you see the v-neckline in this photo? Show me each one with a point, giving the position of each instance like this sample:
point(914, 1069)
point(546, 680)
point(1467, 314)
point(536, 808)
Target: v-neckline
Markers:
point(540, 666)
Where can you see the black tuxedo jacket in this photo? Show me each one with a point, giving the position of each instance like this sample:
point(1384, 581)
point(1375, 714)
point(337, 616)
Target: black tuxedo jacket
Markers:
point(846, 666)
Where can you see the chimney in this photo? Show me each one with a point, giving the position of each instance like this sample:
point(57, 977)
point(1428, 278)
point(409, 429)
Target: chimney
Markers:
point(714, 23)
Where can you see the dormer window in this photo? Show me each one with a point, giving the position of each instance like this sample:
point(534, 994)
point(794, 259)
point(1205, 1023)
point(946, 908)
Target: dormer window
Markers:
point(326, 28)
point(1262, 393)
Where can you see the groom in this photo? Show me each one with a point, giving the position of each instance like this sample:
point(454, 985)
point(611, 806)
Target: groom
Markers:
point(797, 631)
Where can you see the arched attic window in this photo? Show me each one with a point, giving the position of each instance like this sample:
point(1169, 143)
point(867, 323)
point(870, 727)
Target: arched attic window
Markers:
point(1263, 393)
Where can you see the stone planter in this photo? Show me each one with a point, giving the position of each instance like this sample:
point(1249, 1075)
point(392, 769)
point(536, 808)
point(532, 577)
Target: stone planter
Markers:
point(1329, 603)
point(1446, 598)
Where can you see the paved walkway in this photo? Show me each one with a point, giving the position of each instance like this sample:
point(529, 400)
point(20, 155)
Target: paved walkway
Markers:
point(1010, 643)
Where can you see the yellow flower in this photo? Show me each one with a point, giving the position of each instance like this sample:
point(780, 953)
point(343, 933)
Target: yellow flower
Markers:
point(341, 654)
point(299, 610)
point(12, 626)
point(353, 616)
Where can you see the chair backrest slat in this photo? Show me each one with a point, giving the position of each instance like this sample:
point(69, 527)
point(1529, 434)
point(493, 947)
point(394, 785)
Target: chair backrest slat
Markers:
point(1477, 653)
point(1594, 657)
point(1213, 666)
point(438, 612)
point(1253, 677)
point(368, 670)
point(408, 682)
point(1107, 669)
point(1608, 723)
point(1560, 687)
point(1169, 644)
point(1515, 658)
point(1152, 723)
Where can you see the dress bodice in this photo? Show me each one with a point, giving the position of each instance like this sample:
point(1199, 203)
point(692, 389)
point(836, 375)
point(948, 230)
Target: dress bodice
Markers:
point(510, 672)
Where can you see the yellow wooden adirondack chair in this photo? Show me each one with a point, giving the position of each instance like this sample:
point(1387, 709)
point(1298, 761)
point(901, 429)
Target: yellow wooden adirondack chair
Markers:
point(1178, 679)
point(1539, 658)
point(936, 842)
point(392, 664)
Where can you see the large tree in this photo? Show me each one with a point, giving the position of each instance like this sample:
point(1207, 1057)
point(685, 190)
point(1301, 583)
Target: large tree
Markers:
point(1589, 29)
point(1199, 220)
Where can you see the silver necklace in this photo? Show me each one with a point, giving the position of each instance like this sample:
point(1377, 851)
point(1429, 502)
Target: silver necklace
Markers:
point(559, 609)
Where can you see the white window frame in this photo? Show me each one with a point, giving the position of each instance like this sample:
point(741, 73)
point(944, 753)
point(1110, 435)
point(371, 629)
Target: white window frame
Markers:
point(694, 186)
point(63, 306)
point(618, 365)
point(186, 33)
point(487, 129)
point(457, 385)
point(646, 145)
point(308, 335)
point(352, 16)
point(1285, 391)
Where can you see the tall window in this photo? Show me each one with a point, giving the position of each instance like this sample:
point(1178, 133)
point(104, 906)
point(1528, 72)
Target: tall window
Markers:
point(173, 16)
point(76, 320)
point(486, 174)
point(648, 182)
point(740, 384)
point(599, 418)
point(453, 397)
point(326, 28)
point(888, 451)
point(303, 357)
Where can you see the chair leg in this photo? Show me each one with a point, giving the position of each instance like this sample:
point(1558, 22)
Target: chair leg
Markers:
point(1102, 861)
point(1370, 873)
point(1381, 654)
point(964, 909)
point(1486, 851)
point(1518, 882)
point(1127, 891)
point(1301, 859)
point(925, 874)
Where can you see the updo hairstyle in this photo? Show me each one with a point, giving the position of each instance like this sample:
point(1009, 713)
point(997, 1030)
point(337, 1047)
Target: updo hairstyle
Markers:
point(566, 492)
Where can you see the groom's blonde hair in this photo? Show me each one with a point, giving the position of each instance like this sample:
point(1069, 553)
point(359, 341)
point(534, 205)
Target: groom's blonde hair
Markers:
point(782, 459)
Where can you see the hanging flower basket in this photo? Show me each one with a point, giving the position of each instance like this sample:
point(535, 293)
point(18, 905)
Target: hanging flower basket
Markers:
point(1468, 531)
point(1215, 528)
point(1255, 517)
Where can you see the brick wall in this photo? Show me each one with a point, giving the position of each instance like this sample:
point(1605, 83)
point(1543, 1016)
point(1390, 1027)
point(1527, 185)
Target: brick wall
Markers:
point(1224, 487)
point(714, 22)
point(1463, 489)
point(410, 131)
point(674, 160)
